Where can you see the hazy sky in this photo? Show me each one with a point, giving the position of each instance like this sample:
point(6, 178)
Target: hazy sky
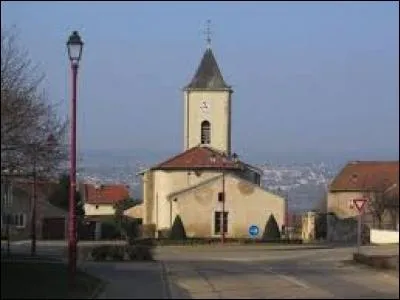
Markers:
point(319, 77)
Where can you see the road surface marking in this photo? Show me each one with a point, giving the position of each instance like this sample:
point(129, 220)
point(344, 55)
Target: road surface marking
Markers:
point(293, 280)
point(290, 279)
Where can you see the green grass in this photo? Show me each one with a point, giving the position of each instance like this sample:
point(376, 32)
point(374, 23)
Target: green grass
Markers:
point(42, 280)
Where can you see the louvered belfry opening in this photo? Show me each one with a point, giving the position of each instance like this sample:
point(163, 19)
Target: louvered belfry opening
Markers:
point(205, 132)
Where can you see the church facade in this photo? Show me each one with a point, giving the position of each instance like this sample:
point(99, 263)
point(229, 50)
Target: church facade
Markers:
point(207, 185)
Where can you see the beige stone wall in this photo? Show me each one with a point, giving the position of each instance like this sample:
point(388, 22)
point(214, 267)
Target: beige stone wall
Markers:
point(339, 203)
point(98, 210)
point(167, 182)
point(218, 115)
point(148, 197)
point(308, 226)
point(158, 185)
point(135, 212)
point(246, 204)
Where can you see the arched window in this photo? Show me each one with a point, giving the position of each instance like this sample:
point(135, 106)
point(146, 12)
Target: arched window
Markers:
point(205, 132)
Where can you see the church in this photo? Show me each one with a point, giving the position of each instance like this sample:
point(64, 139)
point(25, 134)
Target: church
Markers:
point(207, 185)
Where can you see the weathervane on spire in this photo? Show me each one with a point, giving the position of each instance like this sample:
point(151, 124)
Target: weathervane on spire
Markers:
point(207, 32)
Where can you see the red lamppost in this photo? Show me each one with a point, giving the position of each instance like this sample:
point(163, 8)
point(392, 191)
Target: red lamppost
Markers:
point(75, 46)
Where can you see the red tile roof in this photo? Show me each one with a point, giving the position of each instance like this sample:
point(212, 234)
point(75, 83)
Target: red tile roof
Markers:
point(198, 158)
point(393, 190)
point(105, 194)
point(366, 175)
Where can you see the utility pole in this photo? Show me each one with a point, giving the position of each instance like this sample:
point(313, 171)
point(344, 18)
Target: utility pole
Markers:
point(34, 208)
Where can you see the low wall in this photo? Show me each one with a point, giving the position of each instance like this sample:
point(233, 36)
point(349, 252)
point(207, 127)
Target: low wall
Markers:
point(378, 236)
point(378, 261)
point(345, 230)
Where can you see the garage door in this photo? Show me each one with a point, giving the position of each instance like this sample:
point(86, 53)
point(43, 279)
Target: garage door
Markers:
point(53, 229)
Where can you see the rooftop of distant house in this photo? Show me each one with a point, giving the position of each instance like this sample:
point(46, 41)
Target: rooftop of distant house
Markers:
point(367, 176)
point(104, 193)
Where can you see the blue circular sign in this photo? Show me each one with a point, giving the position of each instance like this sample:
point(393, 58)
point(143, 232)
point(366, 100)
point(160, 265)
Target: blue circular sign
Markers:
point(254, 230)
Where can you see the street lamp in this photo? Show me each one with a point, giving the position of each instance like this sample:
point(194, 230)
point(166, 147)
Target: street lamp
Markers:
point(75, 47)
point(221, 196)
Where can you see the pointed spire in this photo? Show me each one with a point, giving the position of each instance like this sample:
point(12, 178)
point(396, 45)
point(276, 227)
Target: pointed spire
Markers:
point(208, 75)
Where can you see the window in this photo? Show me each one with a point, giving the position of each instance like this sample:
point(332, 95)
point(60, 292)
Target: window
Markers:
point(220, 197)
point(217, 222)
point(6, 193)
point(17, 220)
point(6, 219)
point(205, 132)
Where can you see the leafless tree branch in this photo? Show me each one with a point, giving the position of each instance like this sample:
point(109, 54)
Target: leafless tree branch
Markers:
point(380, 201)
point(28, 118)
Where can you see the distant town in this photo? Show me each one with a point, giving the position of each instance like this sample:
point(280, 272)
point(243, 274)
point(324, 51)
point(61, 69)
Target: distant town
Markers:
point(303, 184)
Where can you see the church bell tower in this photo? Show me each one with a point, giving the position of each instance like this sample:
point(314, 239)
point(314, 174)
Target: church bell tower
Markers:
point(207, 106)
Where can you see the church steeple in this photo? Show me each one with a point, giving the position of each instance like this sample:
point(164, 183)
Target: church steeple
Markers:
point(207, 105)
point(208, 75)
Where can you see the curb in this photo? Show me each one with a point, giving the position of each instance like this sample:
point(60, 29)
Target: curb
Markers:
point(100, 287)
point(380, 262)
point(165, 281)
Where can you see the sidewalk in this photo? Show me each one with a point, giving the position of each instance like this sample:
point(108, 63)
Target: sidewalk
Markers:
point(380, 249)
point(130, 280)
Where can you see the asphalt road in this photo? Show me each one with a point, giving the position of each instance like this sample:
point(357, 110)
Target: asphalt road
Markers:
point(278, 273)
point(239, 272)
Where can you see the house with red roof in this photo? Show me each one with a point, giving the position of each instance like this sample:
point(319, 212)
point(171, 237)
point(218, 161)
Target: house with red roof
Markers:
point(100, 200)
point(366, 180)
point(212, 190)
point(99, 204)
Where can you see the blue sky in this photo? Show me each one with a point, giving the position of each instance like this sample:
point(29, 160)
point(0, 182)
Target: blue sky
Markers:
point(308, 76)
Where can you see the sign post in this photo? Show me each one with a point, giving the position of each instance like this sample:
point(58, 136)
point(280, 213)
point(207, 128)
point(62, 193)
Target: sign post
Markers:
point(254, 231)
point(359, 204)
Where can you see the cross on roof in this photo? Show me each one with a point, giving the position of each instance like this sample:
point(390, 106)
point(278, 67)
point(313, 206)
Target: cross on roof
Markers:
point(208, 32)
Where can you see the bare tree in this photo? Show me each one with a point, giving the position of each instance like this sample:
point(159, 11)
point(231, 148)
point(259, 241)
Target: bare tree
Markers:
point(391, 196)
point(380, 202)
point(31, 131)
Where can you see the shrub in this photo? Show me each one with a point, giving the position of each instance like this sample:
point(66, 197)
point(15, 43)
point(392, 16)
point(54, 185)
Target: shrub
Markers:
point(116, 253)
point(178, 230)
point(109, 230)
point(271, 231)
point(148, 230)
point(139, 252)
point(100, 253)
point(121, 252)
point(164, 233)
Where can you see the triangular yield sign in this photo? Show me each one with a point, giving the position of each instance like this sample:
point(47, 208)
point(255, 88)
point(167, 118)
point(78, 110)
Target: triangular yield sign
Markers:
point(359, 203)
